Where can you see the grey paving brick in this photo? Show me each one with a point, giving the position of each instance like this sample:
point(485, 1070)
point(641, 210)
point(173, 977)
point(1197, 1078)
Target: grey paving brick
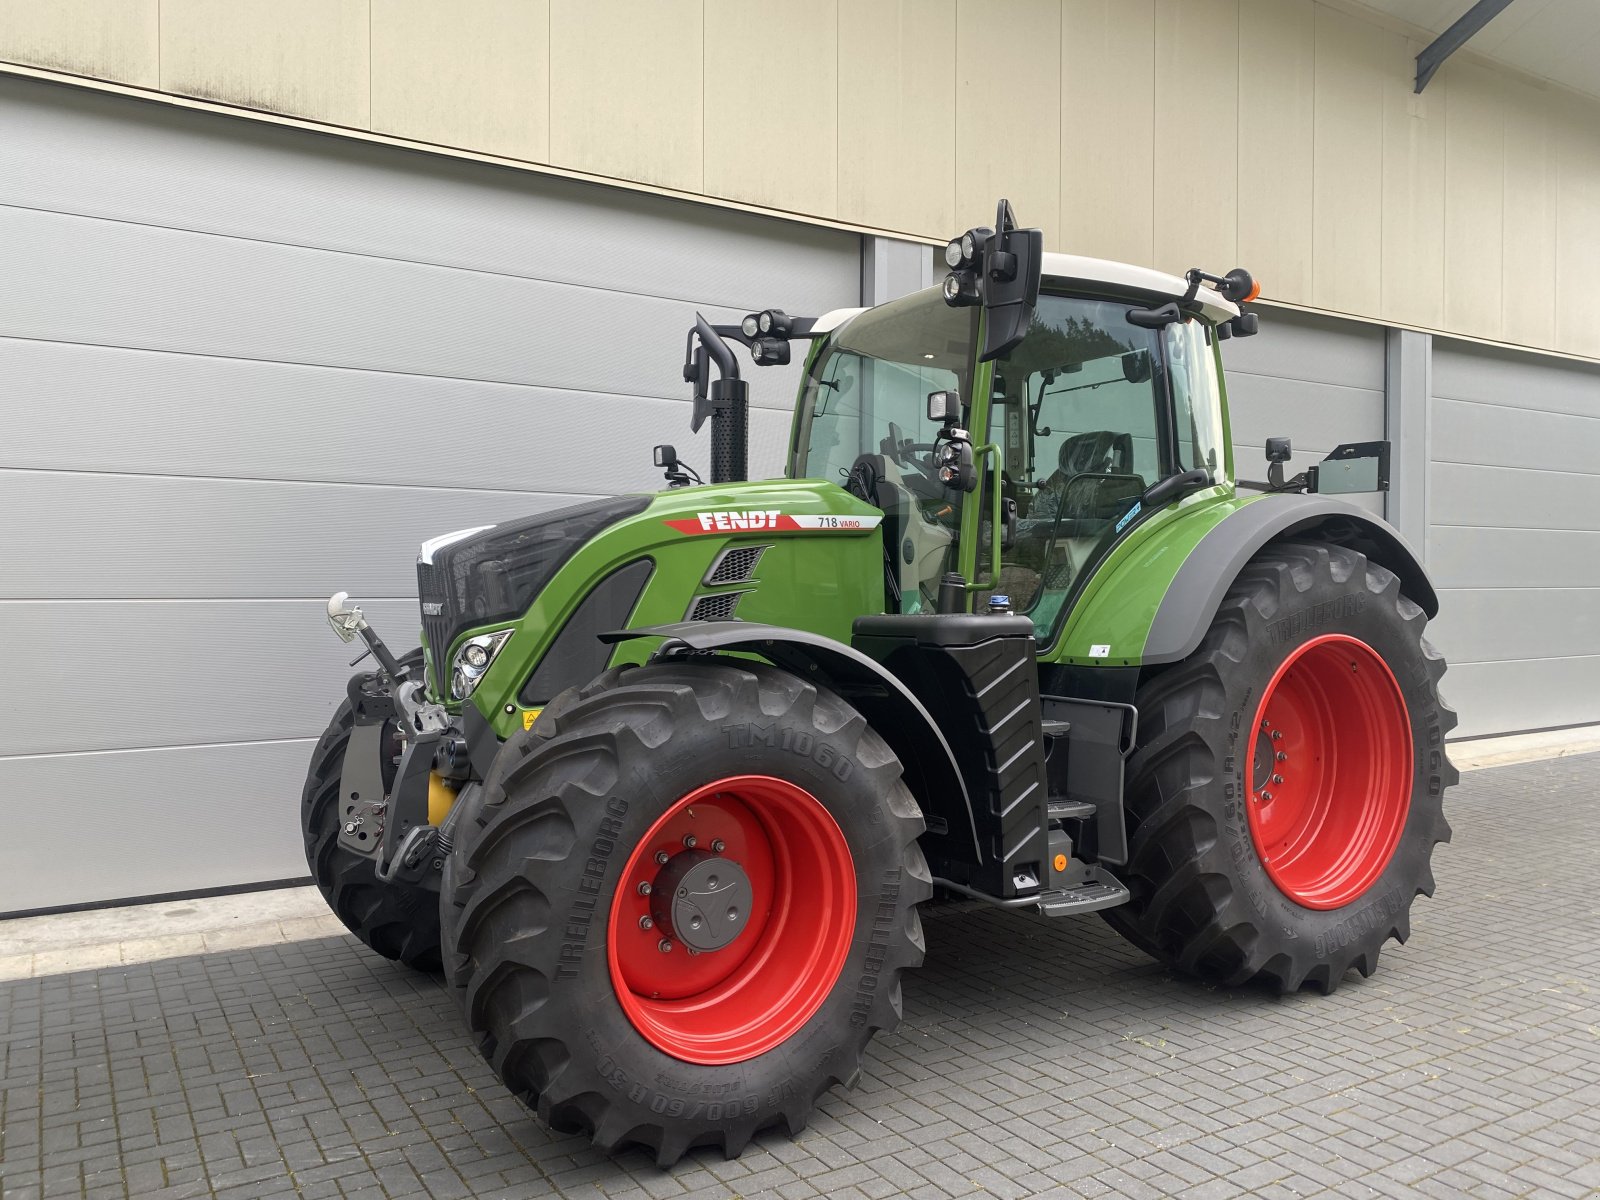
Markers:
point(1036, 1059)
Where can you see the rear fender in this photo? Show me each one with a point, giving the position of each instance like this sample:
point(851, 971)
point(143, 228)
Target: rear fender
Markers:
point(1191, 600)
point(894, 713)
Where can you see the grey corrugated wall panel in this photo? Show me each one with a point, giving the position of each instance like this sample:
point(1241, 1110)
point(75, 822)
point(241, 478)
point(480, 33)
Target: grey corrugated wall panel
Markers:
point(165, 536)
point(165, 167)
point(124, 674)
point(1314, 380)
point(191, 293)
point(88, 827)
point(1514, 535)
point(246, 366)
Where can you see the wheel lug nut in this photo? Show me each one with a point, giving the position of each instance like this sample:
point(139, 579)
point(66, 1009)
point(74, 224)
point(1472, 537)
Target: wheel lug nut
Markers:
point(689, 841)
point(1277, 779)
point(661, 857)
point(1277, 735)
point(1282, 757)
point(644, 888)
point(718, 846)
point(1266, 795)
point(664, 945)
point(646, 923)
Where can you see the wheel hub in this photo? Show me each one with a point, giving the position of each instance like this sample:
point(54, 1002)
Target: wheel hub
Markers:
point(1330, 772)
point(701, 899)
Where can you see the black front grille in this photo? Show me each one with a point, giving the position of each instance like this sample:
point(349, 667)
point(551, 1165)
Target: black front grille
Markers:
point(435, 603)
point(494, 576)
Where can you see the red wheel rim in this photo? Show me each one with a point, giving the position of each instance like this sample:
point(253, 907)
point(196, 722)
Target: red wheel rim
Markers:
point(732, 1003)
point(1331, 772)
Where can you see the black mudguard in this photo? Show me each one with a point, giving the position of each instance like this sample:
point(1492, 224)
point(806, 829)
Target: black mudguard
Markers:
point(931, 771)
point(1197, 589)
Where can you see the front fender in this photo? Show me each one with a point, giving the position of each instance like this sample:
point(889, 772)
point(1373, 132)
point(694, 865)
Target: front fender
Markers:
point(894, 713)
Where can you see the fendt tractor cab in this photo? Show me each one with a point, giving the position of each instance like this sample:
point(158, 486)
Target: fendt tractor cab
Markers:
point(671, 774)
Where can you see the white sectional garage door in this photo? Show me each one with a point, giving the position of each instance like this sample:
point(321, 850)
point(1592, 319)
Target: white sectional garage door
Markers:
point(245, 366)
point(1315, 380)
point(1514, 536)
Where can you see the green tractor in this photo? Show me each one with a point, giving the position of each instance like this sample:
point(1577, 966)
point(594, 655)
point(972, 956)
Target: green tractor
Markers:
point(666, 784)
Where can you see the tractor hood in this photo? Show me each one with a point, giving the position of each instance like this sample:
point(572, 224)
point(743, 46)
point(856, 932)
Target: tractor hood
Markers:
point(800, 553)
point(490, 575)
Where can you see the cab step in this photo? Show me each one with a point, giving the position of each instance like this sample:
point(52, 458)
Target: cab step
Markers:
point(1086, 898)
point(1069, 810)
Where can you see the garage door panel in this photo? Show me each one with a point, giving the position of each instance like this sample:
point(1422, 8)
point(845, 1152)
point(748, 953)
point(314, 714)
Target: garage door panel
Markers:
point(86, 536)
point(243, 800)
point(1296, 346)
point(1507, 436)
point(119, 674)
point(160, 166)
point(1475, 558)
point(1504, 623)
point(256, 300)
point(180, 414)
point(1542, 694)
point(1316, 414)
point(1465, 372)
point(1505, 497)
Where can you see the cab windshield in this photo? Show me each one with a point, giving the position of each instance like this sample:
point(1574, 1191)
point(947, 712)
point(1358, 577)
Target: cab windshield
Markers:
point(864, 425)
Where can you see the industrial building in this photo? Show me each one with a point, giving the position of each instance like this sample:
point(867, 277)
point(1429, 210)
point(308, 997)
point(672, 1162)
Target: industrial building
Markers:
point(291, 285)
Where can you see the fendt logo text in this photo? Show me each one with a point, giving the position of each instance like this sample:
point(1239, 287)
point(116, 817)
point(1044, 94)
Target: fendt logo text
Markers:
point(760, 518)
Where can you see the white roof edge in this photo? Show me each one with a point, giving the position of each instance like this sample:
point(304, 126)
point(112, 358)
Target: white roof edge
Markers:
point(1118, 274)
point(829, 321)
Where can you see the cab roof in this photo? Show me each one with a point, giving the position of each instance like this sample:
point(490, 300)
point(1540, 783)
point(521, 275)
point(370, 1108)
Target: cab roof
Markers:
point(1075, 270)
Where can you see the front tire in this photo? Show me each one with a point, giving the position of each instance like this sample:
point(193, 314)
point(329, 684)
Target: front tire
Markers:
point(774, 833)
point(1286, 795)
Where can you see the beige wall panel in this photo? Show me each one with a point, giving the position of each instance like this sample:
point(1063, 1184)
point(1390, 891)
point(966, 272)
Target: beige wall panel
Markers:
point(625, 89)
point(1576, 135)
point(1528, 269)
point(1197, 134)
point(1347, 193)
point(1108, 129)
point(1277, 53)
point(784, 59)
point(897, 114)
point(1008, 112)
point(1413, 192)
point(1474, 201)
point(305, 57)
point(105, 39)
point(473, 73)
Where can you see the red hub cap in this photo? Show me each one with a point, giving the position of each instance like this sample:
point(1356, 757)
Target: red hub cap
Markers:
point(1331, 774)
point(732, 920)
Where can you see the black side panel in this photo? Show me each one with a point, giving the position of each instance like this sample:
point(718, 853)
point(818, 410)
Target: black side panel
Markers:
point(976, 673)
point(577, 655)
point(1197, 589)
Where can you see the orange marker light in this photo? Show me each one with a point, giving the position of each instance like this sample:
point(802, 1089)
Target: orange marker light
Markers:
point(1061, 862)
point(1255, 290)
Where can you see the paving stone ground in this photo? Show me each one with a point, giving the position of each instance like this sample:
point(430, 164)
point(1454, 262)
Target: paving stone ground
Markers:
point(1037, 1058)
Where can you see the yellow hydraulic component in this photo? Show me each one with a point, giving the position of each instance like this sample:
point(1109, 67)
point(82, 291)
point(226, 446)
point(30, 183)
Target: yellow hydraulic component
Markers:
point(440, 797)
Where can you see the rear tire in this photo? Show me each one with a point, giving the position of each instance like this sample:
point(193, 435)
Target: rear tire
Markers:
point(787, 791)
point(1248, 862)
point(399, 921)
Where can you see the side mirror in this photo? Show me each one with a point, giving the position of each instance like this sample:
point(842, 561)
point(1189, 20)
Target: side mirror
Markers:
point(944, 407)
point(1136, 366)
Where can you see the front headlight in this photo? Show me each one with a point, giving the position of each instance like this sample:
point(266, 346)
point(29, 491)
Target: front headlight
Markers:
point(473, 658)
